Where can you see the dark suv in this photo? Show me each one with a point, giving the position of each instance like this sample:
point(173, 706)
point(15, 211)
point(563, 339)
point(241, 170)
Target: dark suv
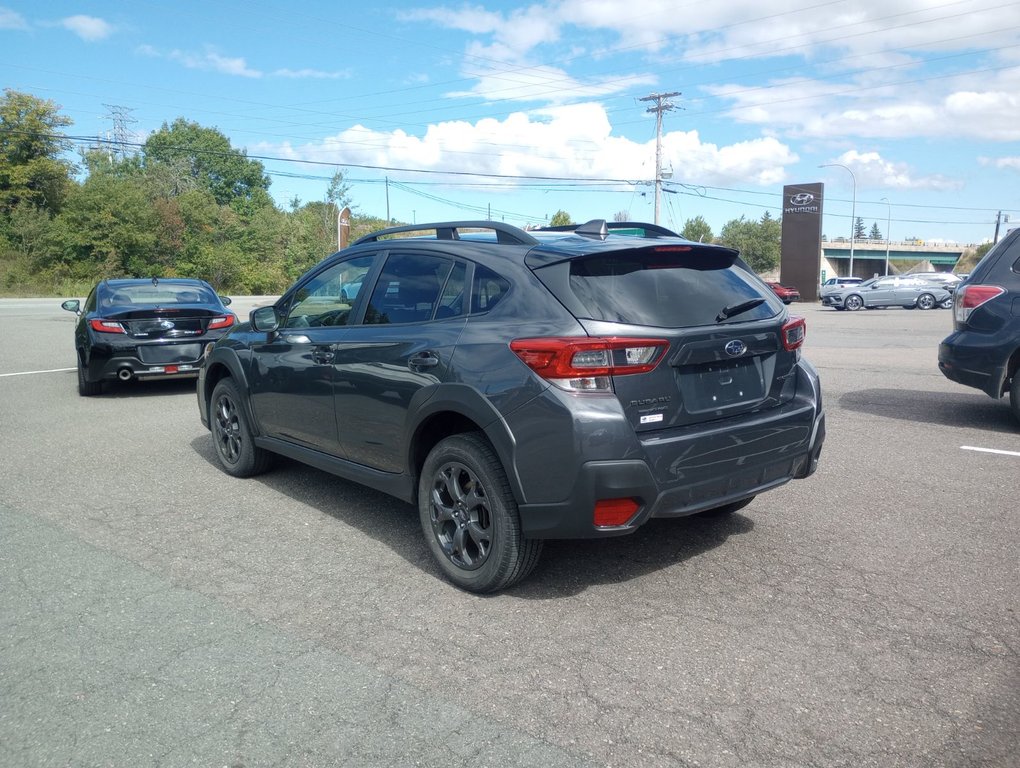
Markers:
point(520, 386)
point(984, 349)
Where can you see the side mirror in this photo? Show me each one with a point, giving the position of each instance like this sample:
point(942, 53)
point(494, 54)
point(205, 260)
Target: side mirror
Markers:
point(225, 300)
point(72, 305)
point(265, 319)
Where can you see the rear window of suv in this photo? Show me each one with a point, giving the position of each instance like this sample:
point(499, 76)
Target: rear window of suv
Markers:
point(667, 290)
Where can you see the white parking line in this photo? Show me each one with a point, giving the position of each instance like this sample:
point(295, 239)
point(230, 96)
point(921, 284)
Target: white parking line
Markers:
point(989, 450)
point(31, 373)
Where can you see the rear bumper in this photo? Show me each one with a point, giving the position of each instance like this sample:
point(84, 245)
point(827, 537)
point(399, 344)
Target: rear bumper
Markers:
point(975, 360)
point(708, 466)
point(112, 364)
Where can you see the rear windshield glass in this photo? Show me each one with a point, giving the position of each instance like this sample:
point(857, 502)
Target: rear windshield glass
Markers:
point(666, 290)
point(160, 293)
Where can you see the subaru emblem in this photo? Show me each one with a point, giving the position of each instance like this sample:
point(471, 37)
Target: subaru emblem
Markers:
point(166, 325)
point(735, 348)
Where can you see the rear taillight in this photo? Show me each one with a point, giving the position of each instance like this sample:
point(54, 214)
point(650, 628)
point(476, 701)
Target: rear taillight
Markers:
point(106, 326)
point(794, 332)
point(586, 364)
point(224, 321)
point(969, 297)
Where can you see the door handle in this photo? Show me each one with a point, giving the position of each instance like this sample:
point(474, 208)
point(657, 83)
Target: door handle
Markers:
point(423, 360)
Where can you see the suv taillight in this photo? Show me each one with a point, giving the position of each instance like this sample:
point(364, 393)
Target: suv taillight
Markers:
point(794, 331)
point(970, 297)
point(586, 364)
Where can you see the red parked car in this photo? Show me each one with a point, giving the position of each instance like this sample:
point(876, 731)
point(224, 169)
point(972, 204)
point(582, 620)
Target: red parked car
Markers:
point(785, 292)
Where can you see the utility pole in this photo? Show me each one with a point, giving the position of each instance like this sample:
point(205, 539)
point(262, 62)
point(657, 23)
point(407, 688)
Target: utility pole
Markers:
point(661, 105)
point(388, 220)
point(998, 218)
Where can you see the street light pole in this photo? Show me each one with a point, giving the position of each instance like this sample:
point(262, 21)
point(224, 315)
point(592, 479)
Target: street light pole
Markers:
point(853, 209)
point(888, 220)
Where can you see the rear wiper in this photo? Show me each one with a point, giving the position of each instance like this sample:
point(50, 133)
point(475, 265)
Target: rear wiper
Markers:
point(736, 309)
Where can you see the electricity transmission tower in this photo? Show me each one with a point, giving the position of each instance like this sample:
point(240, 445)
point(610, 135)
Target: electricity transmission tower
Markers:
point(119, 137)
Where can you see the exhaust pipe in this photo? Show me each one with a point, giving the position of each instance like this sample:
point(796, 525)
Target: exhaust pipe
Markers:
point(125, 374)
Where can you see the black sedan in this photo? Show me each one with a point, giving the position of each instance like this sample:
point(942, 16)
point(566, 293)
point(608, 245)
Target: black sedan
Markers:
point(145, 329)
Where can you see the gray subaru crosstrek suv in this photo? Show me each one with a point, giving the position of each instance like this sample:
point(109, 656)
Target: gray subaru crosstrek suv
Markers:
point(520, 385)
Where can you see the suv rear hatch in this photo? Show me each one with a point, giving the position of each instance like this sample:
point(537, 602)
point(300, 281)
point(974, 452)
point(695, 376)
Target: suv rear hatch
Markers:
point(722, 342)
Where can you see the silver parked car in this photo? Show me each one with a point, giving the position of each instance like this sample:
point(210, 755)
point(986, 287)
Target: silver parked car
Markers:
point(888, 292)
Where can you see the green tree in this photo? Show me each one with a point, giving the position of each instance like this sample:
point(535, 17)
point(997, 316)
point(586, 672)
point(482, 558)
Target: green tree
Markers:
point(186, 154)
point(697, 229)
point(31, 142)
point(560, 219)
point(107, 229)
point(859, 231)
point(876, 233)
point(759, 242)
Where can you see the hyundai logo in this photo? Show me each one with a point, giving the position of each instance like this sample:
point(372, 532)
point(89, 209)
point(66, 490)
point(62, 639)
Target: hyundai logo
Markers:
point(802, 198)
point(735, 348)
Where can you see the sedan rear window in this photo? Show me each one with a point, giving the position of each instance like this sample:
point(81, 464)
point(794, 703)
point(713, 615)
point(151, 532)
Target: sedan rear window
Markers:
point(667, 290)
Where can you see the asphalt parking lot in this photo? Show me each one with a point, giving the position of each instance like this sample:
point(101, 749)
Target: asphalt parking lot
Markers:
point(156, 612)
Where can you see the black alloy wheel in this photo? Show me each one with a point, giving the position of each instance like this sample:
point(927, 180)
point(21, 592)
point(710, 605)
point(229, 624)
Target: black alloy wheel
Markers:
point(469, 516)
point(853, 302)
point(926, 301)
point(232, 436)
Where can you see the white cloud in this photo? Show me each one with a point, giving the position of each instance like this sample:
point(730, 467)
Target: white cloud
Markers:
point(575, 141)
point(872, 170)
point(311, 74)
point(1007, 163)
point(208, 60)
point(88, 28)
point(11, 19)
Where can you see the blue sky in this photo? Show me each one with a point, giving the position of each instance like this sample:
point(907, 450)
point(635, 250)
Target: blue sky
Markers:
point(515, 111)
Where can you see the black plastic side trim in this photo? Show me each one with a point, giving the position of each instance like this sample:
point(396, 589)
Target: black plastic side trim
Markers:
point(399, 485)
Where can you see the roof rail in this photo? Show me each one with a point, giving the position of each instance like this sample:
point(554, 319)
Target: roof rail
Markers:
point(450, 230)
point(600, 227)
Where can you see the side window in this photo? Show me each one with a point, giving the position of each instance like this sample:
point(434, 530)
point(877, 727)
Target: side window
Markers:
point(408, 289)
point(326, 299)
point(91, 301)
point(451, 301)
point(487, 290)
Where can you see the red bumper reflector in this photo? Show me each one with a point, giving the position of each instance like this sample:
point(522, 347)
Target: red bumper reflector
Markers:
point(610, 513)
point(171, 369)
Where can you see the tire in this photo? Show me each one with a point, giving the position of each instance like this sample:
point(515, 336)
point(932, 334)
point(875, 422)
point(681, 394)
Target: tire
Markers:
point(469, 516)
point(926, 301)
point(947, 303)
point(853, 302)
point(1014, 395)
point(87, 388)
point(232, 435)
point(727, 509)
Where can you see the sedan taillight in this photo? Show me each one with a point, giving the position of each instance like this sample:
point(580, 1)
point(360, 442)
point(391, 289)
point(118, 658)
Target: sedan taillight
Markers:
point(224, 321)
point(586, 364)
point(970, 297)
point(106, 326)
